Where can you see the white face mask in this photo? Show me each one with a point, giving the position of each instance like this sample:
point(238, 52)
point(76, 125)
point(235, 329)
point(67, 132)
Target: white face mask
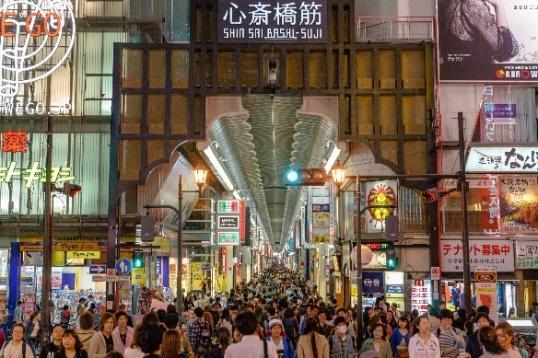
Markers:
point(341, 329)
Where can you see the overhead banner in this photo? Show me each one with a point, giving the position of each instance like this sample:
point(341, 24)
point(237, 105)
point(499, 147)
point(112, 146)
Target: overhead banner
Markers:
point(498, 253)
point(254, 21)
point(519, 208)
point(488, 41)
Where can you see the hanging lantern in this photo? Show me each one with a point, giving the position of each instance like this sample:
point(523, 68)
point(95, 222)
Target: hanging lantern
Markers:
point(366, 255)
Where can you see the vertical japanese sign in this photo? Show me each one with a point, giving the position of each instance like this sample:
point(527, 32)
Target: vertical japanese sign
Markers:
point(421, 295)
point(231, 222)
point(489, 201)
point(519, 204)
point(381, 197)
point(486, 289)
point(321, 222)
point(255, 21)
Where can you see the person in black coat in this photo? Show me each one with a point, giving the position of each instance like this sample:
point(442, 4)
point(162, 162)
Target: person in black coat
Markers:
point(71, 346)
point(474, 348)
point(48, 350)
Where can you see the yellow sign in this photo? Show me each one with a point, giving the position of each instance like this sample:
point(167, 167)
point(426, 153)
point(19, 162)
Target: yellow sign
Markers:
point(83, 254)
point(354, 290)
point(76, 246)
point(197, 276)
point(221, 284)
point(138, 276)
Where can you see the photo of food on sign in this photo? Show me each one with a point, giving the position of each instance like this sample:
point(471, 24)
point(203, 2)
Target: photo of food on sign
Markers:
point(519, 204)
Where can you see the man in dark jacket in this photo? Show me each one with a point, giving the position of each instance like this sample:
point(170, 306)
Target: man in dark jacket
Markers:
point(473, 346)
point(52, 347)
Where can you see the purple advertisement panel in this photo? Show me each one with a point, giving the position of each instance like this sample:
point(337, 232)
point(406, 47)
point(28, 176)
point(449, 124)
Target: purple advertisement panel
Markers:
point(372, 282)
point(500, 113)
point(254, 21)
point(488, 41)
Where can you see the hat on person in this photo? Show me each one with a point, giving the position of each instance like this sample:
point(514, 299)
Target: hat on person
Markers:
point(274, 322)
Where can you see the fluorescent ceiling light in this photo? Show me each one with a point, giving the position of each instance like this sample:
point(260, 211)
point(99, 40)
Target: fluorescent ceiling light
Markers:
point(218, 167)
point(332, 159)
point(236, 195)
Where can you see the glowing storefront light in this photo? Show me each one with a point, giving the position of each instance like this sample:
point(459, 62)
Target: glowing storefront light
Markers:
point(35, 173)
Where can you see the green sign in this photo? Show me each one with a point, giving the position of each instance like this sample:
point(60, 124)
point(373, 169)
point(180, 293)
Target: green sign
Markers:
point(229, 238)
point(228, 206)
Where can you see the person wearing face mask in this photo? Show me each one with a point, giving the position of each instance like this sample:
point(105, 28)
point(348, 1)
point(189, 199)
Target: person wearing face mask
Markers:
point(378, 343)
point(341, 343)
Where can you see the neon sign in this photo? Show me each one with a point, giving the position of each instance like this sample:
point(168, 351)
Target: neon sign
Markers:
point(35, 173)
point(37, 37)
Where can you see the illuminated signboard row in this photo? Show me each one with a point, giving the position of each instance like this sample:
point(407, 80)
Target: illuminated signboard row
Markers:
point(35, 173)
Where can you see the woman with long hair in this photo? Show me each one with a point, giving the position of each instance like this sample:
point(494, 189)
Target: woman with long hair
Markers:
point(34, 331)
point(122, 334)
point(173, 346)
point(423, 344)
point(402, 332)
point(378, 343)
point(71, 346)
point(488, 341)
point(312, 344)
point(223, 340)
point(505, 337)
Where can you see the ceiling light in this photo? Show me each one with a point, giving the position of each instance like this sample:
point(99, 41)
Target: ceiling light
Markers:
point(332, 159)
point(236, 195)
point(218, 167)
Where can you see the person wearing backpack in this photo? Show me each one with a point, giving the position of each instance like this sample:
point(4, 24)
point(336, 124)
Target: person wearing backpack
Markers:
point(200, 334)
point(16, 347)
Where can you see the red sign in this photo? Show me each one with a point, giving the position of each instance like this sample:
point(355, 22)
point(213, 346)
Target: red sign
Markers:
point(35, 25)
point(14, 142)
point(242, 221)
point(223, 260)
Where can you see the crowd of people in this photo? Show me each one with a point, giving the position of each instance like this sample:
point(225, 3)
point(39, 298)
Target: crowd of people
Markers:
point(277, 315)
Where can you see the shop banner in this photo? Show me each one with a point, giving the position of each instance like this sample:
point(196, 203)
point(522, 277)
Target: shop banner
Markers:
point(321, 222)
point(527, 255)
point(505, 159)
point(490, 215)
point(421, 295)
point(519, 204)
point(497, 253)
point(380, 193)
point(469, 39)
point(197, 276)
point(372, 282)
point(252, 21)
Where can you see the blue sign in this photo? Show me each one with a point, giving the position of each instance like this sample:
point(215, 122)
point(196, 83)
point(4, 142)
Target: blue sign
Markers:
point(394, 289)
point(97, 269)
point(123, 267)
point(372, 282)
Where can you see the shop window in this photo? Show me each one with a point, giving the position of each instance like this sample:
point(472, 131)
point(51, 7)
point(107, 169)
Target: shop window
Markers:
point(180, 69)
point(294, 69)
point(248, 70)
point(317, 70)
point(131, 113)
point(157, 66)
point(226, 69)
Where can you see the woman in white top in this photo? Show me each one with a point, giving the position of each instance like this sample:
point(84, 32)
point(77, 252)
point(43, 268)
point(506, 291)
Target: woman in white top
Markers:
point(14, 347)
point(424, 344)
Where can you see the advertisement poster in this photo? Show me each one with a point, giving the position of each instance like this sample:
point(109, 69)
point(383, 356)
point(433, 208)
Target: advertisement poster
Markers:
point(486, 290)
point(382, 197)
point(197, 276)
point(372, 282)
point(321, 222)
point(488, 40)
point(519, 204)
point(490, 219)
point(498, 253)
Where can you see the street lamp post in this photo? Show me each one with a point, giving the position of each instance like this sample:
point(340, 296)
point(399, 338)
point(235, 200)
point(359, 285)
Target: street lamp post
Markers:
point(200, 176)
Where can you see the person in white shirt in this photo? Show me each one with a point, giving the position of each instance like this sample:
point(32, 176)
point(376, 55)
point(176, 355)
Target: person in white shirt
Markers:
point(250, 345)
point(15, 347)
point(424, 344)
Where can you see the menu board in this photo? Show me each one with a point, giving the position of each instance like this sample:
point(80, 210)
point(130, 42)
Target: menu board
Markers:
point(421, 295)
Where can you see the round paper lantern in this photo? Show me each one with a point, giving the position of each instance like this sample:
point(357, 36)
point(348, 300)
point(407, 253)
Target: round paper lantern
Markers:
point(366, 255)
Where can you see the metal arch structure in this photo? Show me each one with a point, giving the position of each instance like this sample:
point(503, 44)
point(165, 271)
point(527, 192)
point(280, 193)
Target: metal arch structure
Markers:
point(137, 147)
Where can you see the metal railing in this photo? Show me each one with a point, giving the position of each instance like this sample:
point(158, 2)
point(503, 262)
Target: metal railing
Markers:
point(399, 28)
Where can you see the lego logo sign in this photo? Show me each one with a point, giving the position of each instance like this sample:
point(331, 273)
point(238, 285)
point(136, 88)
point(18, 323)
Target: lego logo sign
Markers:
point(36, 38)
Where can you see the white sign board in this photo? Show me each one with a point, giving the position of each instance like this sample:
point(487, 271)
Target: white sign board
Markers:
point(497, 253)
point(505, 159)
point(435, 273)
point(527, 255)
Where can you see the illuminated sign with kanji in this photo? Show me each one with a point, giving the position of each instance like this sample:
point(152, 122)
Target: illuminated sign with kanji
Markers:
point(83, 255)
point(272, 21)
point(14, 142)
point(506, 159)
point(493, 253)
point(34, 173)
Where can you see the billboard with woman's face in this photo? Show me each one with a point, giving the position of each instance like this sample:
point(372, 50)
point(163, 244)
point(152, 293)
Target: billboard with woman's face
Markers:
point(488, 40)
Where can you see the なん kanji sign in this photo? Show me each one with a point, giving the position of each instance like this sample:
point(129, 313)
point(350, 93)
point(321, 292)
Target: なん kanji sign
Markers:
point(272, 21)
point(506, 159)
point(493, 253)
point(14, 142)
